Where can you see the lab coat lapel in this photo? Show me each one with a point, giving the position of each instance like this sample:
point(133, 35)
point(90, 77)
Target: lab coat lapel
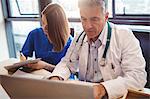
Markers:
point(104, 69)
point(83, 60)
point(103, 38)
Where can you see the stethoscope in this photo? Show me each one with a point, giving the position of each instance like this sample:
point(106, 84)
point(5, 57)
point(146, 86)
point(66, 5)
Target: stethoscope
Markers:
point(77, 41)
point(103, 60)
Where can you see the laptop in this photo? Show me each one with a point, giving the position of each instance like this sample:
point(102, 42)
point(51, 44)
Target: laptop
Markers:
point(27, 88)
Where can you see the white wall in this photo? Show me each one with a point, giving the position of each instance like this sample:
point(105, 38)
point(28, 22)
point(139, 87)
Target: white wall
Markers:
point(3, 42)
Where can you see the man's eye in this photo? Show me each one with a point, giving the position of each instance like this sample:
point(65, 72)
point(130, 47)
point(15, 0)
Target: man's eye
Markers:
point(83, 19)
point(94, 19)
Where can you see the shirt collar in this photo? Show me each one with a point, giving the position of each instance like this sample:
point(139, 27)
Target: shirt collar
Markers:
point(102, 37)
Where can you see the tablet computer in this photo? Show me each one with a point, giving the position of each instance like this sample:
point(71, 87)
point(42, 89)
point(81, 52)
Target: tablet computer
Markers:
point(22, 66)
point(19, 64)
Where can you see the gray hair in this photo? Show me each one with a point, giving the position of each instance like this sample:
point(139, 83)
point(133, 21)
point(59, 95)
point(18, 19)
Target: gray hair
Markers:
point(90, 3)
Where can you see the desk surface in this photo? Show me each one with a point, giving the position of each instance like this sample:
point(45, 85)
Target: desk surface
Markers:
point(3, 94)
point(3, 71)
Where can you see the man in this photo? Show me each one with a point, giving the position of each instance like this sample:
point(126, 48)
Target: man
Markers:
point(104, 54)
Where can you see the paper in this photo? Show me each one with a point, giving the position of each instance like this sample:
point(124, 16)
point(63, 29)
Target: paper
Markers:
point(9, 62)
point(20, 73)
point(38, 74)
point(6, 63)
point(42, 72)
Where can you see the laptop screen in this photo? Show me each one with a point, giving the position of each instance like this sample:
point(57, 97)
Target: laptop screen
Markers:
point(27, 88)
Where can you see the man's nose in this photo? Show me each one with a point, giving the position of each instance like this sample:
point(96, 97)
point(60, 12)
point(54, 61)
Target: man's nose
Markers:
point(88, 24)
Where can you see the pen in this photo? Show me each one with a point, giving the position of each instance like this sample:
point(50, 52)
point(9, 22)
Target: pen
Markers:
point(22, 57)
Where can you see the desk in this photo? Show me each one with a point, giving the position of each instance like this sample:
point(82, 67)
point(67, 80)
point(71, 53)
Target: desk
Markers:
point(3, 94)
point(144, 94)
point(3, 71)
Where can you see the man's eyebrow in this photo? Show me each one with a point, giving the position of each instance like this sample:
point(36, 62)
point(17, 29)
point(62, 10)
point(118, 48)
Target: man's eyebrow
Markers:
point(95, 17)
point(82, 17)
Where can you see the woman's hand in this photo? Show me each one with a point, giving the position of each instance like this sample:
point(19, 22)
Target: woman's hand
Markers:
point(99, 91)
point(38, 65)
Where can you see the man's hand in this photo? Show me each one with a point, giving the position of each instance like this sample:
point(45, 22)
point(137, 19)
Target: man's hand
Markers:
point(99, 91)
point(55, 78)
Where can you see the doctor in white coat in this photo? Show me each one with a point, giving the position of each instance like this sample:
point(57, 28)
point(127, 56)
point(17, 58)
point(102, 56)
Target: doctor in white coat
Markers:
point(104, 53)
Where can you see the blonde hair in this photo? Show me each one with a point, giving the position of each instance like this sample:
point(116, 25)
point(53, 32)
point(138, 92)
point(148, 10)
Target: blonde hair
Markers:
point(58, 28)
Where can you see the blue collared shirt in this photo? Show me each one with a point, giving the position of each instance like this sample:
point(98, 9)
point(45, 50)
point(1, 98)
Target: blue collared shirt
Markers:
point(38, 42)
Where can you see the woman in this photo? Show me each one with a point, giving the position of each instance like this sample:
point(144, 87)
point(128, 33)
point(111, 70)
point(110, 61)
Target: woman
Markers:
point(50, 42)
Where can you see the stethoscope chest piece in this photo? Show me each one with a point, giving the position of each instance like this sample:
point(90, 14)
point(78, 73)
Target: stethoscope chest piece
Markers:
point(102, 62)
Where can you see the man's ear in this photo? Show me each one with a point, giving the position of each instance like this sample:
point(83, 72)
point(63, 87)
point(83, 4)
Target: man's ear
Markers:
point(106, 16)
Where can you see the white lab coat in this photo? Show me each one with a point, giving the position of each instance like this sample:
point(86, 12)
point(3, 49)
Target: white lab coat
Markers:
point(125, 65)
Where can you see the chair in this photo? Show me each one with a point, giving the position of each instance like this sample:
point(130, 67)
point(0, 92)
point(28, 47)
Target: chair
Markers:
point(144, 38)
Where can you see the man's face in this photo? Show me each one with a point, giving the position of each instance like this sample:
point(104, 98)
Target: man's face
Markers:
point(93, 21)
